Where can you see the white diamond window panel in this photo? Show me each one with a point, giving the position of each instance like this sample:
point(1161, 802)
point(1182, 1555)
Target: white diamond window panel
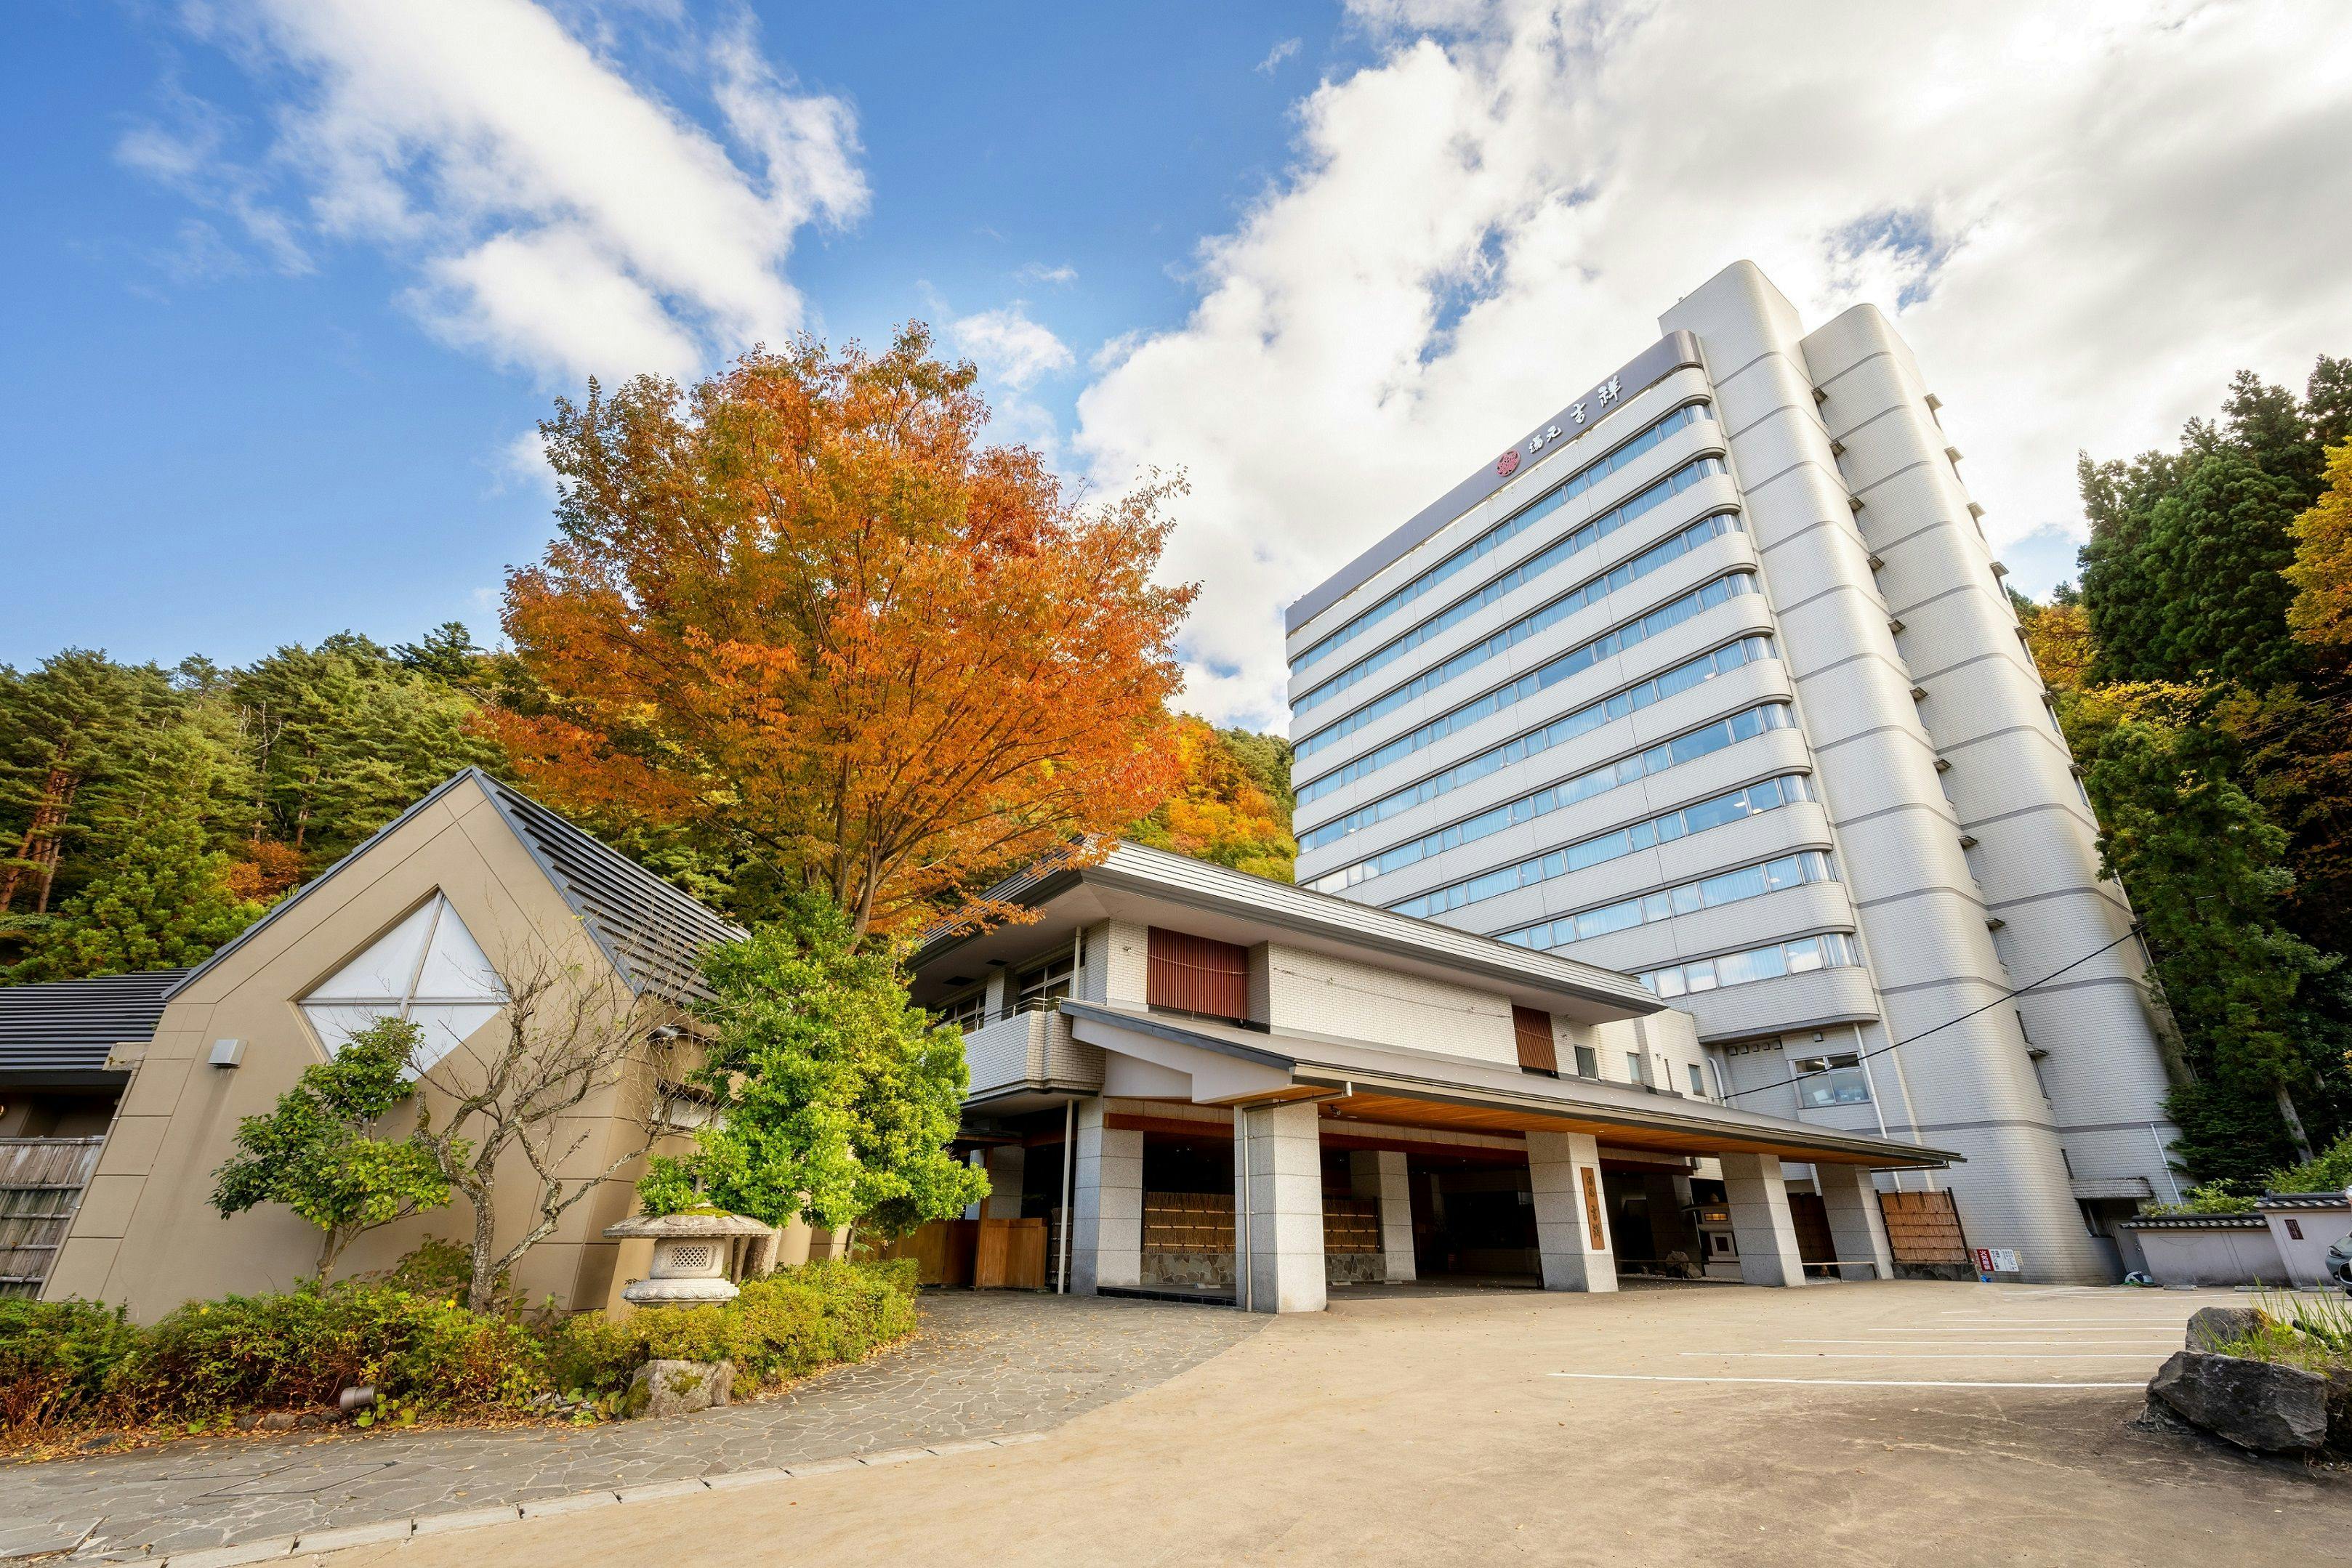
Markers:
point(427, 969)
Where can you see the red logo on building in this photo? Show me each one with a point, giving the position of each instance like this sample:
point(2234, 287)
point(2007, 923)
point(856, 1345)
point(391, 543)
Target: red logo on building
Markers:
point(1508, 462)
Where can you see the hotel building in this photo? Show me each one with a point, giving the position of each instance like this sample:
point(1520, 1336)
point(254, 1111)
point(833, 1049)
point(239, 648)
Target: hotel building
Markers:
point(1712, 678)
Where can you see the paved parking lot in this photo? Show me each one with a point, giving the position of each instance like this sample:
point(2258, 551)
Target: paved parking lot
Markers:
point(1841, 1424)
point(987, 1364)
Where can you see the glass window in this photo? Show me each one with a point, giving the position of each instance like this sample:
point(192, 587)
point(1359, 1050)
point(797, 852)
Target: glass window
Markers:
point(1588, 1063)
point(427, 969)
point(968, 1011)
point(1697, 1084)
point(1637, 1069)
point(1831, 1081)
point(1037, 990)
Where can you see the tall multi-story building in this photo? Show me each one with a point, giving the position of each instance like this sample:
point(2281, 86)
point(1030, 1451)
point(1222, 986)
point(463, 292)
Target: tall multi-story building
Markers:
point(1713, 678)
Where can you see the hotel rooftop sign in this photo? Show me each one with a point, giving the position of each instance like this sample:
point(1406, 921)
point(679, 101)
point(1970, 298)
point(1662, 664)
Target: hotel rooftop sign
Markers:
point(1674, 351)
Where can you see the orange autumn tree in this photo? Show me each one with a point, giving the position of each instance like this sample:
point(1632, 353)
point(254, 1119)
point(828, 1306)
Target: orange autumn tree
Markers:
point(802, 608)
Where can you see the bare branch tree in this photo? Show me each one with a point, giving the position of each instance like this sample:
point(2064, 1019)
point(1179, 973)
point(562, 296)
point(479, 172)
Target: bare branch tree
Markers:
point(578, 1055)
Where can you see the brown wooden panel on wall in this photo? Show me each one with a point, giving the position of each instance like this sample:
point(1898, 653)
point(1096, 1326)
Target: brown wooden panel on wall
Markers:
point(1592, 1210)
point(1923, 1227)
point(1010, 1255)
point(1809, 1213)
point(1194, 975)
point(1534, 1031)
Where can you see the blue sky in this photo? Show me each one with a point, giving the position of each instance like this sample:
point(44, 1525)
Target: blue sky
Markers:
point(290, 282)
point(208, 453)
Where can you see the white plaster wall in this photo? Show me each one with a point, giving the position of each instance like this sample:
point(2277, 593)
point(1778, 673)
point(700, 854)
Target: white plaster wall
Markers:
point(1323, 995)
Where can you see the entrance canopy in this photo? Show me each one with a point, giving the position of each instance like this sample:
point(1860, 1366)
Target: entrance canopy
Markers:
point(1152, 1055)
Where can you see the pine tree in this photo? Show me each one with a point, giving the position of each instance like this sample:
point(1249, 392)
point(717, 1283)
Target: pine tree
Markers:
point(2215, 549)
point(161, 902)
point(70, 731)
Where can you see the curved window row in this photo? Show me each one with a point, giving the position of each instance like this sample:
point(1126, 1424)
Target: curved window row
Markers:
point(1576, 659)
point(1509, 528)
point(1686, 748)
point(1664, 552)
point(1830, 950)
point(1725, 887)
point(1568, 727)
point(1528, 571)
point(1769, 795)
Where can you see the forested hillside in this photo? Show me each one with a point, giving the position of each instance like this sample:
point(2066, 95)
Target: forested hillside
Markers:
point(2204, 677)
point(150, 814)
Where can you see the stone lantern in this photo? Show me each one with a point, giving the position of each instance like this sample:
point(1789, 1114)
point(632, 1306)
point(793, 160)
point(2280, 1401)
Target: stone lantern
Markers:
point(694, 1254)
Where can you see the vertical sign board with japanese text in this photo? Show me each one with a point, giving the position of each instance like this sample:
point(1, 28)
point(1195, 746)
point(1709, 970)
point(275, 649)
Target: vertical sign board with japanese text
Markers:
point(1593, 1211)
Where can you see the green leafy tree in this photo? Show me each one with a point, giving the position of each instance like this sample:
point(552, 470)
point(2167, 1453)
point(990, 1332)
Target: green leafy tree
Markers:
point(2202, 862)
point(318, 1150)
point(837, 1098)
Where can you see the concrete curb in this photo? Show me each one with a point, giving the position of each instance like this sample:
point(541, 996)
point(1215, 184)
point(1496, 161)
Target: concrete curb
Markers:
point(401, 1530)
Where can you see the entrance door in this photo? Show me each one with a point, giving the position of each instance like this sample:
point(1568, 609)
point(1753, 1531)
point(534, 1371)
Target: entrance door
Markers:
point(1811, 1217)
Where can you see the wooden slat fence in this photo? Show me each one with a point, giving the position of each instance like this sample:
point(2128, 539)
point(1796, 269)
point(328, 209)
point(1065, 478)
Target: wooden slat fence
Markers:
point(41, 1183)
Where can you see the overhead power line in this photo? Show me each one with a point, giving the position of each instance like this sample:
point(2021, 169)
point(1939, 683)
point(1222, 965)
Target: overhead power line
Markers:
point(1997, 1001)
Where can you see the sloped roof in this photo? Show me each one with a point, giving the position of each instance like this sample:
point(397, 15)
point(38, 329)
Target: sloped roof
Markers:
point(653, 934)
point(62, 1030)
point(1156, 873)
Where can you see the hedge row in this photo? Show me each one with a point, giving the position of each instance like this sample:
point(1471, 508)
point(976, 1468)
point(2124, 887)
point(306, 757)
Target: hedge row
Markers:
point(70, 1363)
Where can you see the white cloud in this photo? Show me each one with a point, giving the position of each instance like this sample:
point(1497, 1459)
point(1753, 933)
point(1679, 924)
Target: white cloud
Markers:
point(1277, 55)
point(1010, 348)
point(2084, 219)
point(561, 216)
point(1038, 272)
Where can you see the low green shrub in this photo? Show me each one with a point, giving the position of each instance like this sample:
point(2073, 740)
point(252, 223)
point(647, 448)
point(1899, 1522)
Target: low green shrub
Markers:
point(58, 1358)
point(71, 1362)
point(2213, 1198)
point(2331, 1171)
point(783, 1325)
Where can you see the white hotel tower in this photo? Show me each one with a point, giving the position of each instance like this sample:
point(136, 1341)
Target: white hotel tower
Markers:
point(1712, 678)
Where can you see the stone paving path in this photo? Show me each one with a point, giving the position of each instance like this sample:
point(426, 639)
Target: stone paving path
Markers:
point(987, 1364)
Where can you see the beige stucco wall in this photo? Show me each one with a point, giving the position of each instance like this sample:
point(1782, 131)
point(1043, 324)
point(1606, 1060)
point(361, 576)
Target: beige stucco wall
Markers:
point(146, 1235)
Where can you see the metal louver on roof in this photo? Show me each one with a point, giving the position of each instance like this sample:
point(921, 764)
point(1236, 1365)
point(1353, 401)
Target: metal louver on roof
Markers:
point(653, 933)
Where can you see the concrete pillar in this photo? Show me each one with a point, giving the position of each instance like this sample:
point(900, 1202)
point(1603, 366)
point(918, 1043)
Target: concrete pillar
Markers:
point(1278, 1200)
point(1106, 1204)
point(1760, 1224)
point(1857, 1225)
point(1007, 1164)
point(1380, 1175)
point(1571, 1214)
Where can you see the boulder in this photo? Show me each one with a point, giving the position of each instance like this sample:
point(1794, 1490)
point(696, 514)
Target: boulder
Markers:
point(2256, 1404)
point(664, 1388)
point(2213, 1327)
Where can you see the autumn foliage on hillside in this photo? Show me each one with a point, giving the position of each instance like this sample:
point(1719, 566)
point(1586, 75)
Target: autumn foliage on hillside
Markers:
point(1232, 804)
point(803, 608)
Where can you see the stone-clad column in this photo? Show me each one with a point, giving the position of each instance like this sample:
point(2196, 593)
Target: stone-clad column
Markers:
point(1571, 1214)
point(1857, 1225)
point(1761, 1226)
point(1380, 1175)
point(1278, 1202)
point(1107, 1204)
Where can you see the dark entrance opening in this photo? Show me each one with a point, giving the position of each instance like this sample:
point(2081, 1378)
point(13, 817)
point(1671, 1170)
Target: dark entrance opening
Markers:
point(1473, 1217)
